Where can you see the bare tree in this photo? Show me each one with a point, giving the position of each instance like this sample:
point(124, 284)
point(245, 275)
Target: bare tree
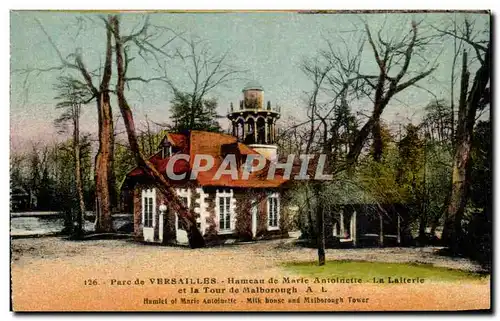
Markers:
point(192, 108)
point(328, 98)
point(338, 80)
point(457, 46)
point(292, 138)
point(389, 55)
point(187, 218)
point(438, 122)
point(149, 136)
point(71, 96)
point(473, 97)
point(318, 74)
point(86, 78)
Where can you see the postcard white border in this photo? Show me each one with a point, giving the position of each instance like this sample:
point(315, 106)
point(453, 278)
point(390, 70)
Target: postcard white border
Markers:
point(184, 5)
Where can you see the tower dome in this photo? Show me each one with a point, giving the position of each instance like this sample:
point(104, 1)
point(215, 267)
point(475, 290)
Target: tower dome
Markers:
point(253, 85)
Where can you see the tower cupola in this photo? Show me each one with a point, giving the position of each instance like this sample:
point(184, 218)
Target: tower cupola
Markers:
point(253, 96)
point(254, 123)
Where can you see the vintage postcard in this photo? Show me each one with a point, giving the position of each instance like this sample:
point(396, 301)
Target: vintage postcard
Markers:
point(250, 161)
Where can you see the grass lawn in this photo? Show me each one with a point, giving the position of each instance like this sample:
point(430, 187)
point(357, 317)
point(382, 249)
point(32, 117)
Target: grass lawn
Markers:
point(369, 270)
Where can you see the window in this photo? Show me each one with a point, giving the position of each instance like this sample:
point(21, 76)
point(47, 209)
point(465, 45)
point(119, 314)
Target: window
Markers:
point(225, 213)
point(166, 151)
point(148, 207)
point(273, 211)
point(224, 209)
point(148, 212)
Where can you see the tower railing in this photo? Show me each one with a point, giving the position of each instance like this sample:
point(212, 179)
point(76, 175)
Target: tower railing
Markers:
point(273, 108)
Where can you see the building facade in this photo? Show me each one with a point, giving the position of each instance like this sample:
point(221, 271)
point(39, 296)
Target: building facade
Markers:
point(225, 207)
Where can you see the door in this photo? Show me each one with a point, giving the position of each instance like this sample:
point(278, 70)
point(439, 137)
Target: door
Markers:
point(180, 233)
point(148, 214)
point(254, 218)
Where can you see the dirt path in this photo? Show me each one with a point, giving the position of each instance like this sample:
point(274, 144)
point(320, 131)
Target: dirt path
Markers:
point(51, 274)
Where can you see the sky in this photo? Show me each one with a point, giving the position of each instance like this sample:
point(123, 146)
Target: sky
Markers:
point(270, 46)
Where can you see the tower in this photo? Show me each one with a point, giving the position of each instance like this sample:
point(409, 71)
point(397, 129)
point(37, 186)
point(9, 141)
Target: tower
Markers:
point(253, 124)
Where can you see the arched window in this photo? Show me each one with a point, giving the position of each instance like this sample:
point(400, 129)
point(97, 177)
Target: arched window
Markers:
point(240, 128)
point(250, 134)
point(270, 135)
point(261, 131)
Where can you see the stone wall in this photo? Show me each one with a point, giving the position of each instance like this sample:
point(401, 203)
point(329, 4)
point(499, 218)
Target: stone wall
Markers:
point(137, 213)
point(203, 204)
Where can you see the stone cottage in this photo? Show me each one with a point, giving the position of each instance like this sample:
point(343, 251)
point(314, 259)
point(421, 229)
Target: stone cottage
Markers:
point(225, 206)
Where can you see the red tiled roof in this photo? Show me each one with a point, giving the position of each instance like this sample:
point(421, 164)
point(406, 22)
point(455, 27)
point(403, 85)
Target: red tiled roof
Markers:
point(178, 140)
point(181, 166)
point(216, 145)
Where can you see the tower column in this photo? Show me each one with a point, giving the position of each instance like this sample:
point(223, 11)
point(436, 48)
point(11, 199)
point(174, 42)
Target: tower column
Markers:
point(265, 132)
point(273, 136)
point(268, 136)
point(271, 132)
point(255, 130)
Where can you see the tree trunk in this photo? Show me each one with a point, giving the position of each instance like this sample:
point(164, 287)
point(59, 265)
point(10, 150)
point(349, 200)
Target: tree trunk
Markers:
point(452, 232)
point(377, 141)
point(321, 234)
point(104, 175)
point(104, 166)
point(78, 174)
point(381, 230)
point(321, 224)
point(456, 208)
point(188, 220)
point(311, 230)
